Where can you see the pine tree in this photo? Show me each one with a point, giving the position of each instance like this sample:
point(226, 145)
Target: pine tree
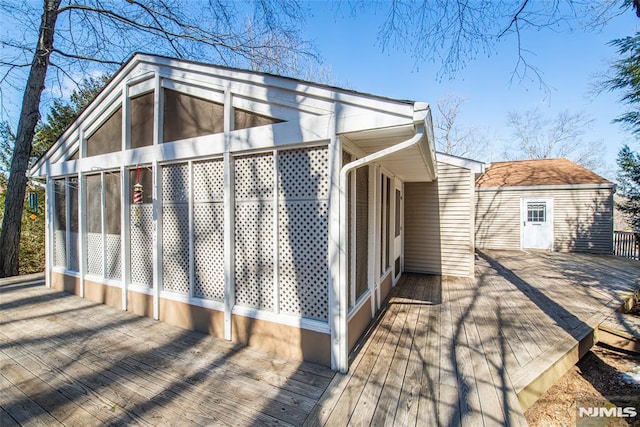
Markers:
point(629, 186)
point(61, 115)
point(626, 78)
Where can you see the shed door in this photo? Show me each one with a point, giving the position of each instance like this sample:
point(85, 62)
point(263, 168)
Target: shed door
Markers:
point(537, 224)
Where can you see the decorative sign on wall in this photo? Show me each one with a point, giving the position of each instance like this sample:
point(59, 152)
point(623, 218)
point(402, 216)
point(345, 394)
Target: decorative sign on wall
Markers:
point(138, 193)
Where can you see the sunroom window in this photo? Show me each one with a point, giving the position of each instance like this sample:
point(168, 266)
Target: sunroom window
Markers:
point(186, 116)
point(108, 137)
point(142, 120)
point(243, 119)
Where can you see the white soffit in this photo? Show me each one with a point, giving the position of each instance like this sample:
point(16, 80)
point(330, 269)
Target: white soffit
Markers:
point(409, 165)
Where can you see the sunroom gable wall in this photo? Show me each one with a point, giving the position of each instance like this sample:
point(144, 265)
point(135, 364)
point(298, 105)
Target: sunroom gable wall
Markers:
point(264, 95)
point(295, 125)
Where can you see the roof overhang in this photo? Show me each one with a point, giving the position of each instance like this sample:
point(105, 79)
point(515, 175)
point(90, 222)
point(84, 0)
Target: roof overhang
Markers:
point(406, 151)
point(461, 162)
point(290, 100)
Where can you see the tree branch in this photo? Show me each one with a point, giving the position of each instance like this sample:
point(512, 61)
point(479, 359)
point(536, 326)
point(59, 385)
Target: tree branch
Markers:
point(514, 19)
point(86, 58)
point(204, 37)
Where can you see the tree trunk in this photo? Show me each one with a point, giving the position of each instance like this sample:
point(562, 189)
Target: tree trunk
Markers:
point(14, 201)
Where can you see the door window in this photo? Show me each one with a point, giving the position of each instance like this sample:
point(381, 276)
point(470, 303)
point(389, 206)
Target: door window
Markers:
point(536, 212)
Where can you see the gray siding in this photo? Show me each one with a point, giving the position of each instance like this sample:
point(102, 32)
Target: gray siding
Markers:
point(582, 219)
point(438, 223)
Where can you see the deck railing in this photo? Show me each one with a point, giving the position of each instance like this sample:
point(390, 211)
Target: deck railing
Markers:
point(626, 244)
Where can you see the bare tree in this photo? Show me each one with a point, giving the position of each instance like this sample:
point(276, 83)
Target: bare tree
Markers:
point(453, 138)
point(455, 32)
point(538, 137)
point(71, 35)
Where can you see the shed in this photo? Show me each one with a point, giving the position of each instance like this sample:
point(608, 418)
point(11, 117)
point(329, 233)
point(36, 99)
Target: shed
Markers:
point(264, 210)
point(551, 204)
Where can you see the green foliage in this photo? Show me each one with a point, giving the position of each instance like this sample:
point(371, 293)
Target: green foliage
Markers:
point(32, 256)
point(626, 77)
point(61, 115)
point(32, 232)
point(629, 185)
point(6, 146)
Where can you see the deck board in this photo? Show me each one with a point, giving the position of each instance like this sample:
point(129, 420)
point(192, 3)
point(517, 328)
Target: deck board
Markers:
point(367, 402)
point(487, 399)
point(22, 408)
point(625, 324)
point(427, 413)
point(410, 389)
point(469, 400)
point(390, 398)
point(443, 351)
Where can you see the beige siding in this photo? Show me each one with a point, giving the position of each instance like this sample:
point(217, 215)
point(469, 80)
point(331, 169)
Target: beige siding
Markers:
point(582, 219)
point(498, 220)
point(438, 223)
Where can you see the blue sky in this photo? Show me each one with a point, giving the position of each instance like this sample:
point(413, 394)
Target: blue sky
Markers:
point(569, 61)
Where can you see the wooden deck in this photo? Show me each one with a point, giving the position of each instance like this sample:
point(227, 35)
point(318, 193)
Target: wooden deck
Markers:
point(446, 351)
point(67, 361)
point(621, 330)
point(452, 351)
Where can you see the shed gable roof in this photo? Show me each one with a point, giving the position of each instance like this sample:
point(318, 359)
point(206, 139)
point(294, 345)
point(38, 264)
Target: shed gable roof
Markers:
point(543, 172)
point(462, 162)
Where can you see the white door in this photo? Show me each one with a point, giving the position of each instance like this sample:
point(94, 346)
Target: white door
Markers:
point(537, 224)
point(397, 230)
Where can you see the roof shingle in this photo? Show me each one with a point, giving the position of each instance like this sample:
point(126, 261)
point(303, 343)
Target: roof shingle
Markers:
point(537, 172)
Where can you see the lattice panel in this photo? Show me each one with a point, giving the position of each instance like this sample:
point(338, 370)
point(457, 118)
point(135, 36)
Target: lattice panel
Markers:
point(60, 248)
point(208, 185)
point(94, 253)
point(74, 259)
point(175, 246)
point(142, 244)
point(254, 177)
point(302, 248)
point(114, 257)
point(208, 250)
point(254, 254)
point(175, 183)
point(303, 174)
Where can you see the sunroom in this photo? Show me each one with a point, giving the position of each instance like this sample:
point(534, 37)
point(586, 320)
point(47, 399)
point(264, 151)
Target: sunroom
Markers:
point(260, 209)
